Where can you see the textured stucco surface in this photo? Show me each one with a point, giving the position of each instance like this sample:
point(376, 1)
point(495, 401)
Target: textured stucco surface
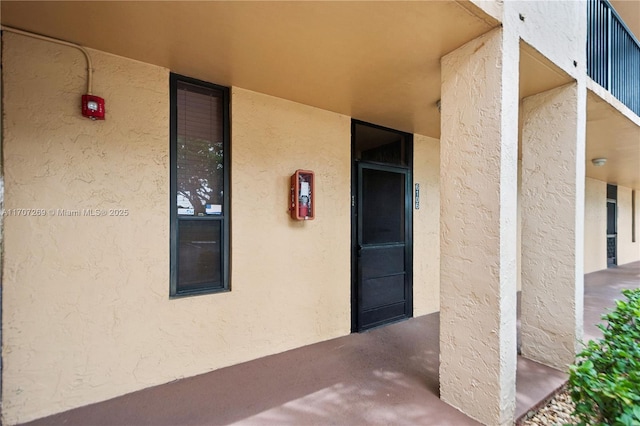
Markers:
point(628, 251)
point(86, 313)
point(81, 295)
point(491, 7)
point(557, 29)
point(86, 308)
point(291, 280)
point(478, 187)
point(552, 225)
point(519, 234)
point(595, 225)
point(426, 226)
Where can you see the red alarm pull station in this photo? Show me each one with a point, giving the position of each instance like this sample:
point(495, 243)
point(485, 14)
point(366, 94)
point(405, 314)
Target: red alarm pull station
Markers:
point(93, 107)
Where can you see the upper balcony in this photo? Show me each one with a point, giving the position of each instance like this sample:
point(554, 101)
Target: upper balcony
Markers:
point(613, 98)
point(613, 54)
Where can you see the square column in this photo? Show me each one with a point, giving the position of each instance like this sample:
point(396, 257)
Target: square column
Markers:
point(478, 216)
point(553, 170)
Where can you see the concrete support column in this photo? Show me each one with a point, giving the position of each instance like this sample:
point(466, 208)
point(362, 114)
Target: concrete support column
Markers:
point(478, 190)
point(553, 178)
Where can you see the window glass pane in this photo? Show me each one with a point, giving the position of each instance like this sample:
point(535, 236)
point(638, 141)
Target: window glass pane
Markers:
point(199, 255)
point(380, 146)
point(611, 218)
point(200, 169)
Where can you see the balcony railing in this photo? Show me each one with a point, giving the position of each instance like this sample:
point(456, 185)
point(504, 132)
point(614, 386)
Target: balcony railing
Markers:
point(613, 54)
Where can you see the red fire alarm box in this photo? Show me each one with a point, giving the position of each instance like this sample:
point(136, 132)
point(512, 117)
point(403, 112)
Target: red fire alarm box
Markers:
point(302, 206)
point(93, 107)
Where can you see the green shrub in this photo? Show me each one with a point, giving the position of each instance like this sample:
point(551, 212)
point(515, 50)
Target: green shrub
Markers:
point(605, 380)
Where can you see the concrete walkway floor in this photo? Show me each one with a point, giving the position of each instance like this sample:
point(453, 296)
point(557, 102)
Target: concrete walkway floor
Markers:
point(385, 376)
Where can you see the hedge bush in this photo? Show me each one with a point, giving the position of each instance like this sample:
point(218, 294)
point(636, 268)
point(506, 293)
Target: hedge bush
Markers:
point(605, 380)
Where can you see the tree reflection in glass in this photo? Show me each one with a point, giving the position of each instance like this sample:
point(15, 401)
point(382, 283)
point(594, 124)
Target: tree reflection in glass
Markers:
point(200, 174)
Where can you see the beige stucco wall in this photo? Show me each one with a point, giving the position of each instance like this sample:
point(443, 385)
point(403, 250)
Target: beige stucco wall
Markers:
point(478, 208)
point(426, 226)
point(628, 251)
point(519, 230)
point(290, 280)
point(557, 29)
point(86, 312)
point(80, 294)
point(595, 225)
point(552, 225)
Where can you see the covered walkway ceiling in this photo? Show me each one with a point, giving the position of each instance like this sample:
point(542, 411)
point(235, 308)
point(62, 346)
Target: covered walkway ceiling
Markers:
point(375, 61)
point(616, 137)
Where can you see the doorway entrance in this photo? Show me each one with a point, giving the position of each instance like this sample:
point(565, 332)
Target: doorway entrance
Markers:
point(381, 226)
point(612, 225)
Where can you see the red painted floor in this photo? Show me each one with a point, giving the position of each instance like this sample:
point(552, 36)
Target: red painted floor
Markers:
point(385, 376)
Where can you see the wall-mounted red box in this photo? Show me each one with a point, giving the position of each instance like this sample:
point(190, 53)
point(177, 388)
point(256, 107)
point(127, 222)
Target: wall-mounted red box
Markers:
point(302, 205)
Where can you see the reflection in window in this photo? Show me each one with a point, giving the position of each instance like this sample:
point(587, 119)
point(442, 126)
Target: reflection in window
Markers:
point(199, 176)
point(200, 151)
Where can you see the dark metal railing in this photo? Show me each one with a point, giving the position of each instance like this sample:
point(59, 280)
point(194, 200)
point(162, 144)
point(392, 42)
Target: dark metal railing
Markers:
point(613, 54)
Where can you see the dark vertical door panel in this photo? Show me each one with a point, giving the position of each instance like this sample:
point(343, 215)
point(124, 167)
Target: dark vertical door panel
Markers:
point(383, 227)
point(612, 225)
point(612, 234)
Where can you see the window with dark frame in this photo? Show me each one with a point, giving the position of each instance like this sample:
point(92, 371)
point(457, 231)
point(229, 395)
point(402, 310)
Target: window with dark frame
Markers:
point(199, 187)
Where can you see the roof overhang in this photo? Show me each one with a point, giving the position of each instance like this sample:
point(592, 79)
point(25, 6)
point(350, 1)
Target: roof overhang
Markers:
point(375, 61)
point(613, 132)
